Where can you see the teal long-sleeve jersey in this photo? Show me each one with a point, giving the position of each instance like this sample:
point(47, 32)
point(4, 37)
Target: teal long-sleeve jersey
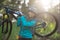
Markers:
point(25, 31)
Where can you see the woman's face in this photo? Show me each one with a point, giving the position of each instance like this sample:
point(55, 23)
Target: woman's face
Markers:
point(31, 14)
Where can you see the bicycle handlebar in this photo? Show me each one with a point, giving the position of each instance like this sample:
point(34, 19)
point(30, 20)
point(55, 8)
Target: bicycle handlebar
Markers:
point(10, 11)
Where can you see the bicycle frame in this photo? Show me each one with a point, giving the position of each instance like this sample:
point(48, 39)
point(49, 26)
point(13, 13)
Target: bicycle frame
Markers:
point(8, 11)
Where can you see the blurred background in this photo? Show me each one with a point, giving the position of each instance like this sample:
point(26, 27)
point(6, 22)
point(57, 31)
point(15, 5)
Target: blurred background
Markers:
point(41, 6)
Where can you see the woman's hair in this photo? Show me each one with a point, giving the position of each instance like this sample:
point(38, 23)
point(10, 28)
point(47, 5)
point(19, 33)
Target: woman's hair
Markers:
point(33, 10)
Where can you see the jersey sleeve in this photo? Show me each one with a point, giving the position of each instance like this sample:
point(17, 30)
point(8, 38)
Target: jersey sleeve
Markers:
point(27, 23)
point(18, 21)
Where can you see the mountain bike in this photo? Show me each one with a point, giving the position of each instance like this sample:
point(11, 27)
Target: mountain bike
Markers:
point(46, 24)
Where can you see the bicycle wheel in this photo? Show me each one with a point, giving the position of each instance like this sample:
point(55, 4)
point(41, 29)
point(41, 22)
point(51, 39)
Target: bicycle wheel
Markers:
point(48, 25)
point(6, 29)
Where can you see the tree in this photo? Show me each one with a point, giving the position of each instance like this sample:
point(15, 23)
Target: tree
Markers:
point(56, 12)
point(1, 1)
point(31, 2)
point(24, 9)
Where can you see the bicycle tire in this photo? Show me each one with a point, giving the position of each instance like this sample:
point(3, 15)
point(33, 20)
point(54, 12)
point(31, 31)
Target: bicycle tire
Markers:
point(6, 31)
point(52, 31)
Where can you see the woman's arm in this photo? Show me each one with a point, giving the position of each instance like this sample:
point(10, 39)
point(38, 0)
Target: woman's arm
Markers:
point(27, 23)
point(19, 21)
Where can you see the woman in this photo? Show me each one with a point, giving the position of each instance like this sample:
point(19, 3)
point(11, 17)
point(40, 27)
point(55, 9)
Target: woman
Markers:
point(25, 26)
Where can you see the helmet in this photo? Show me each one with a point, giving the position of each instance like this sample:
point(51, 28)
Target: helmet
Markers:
point(33, 9)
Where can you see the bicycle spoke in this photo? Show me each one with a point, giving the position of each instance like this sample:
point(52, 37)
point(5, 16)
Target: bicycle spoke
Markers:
point(47, 26)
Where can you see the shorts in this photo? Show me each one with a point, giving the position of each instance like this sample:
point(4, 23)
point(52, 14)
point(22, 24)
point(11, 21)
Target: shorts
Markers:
point(20, 38)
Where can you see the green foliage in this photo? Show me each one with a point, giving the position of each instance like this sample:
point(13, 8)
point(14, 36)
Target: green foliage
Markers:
point(1, 1)
point(48, 29)
point(56, 36)
point(16, 29)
